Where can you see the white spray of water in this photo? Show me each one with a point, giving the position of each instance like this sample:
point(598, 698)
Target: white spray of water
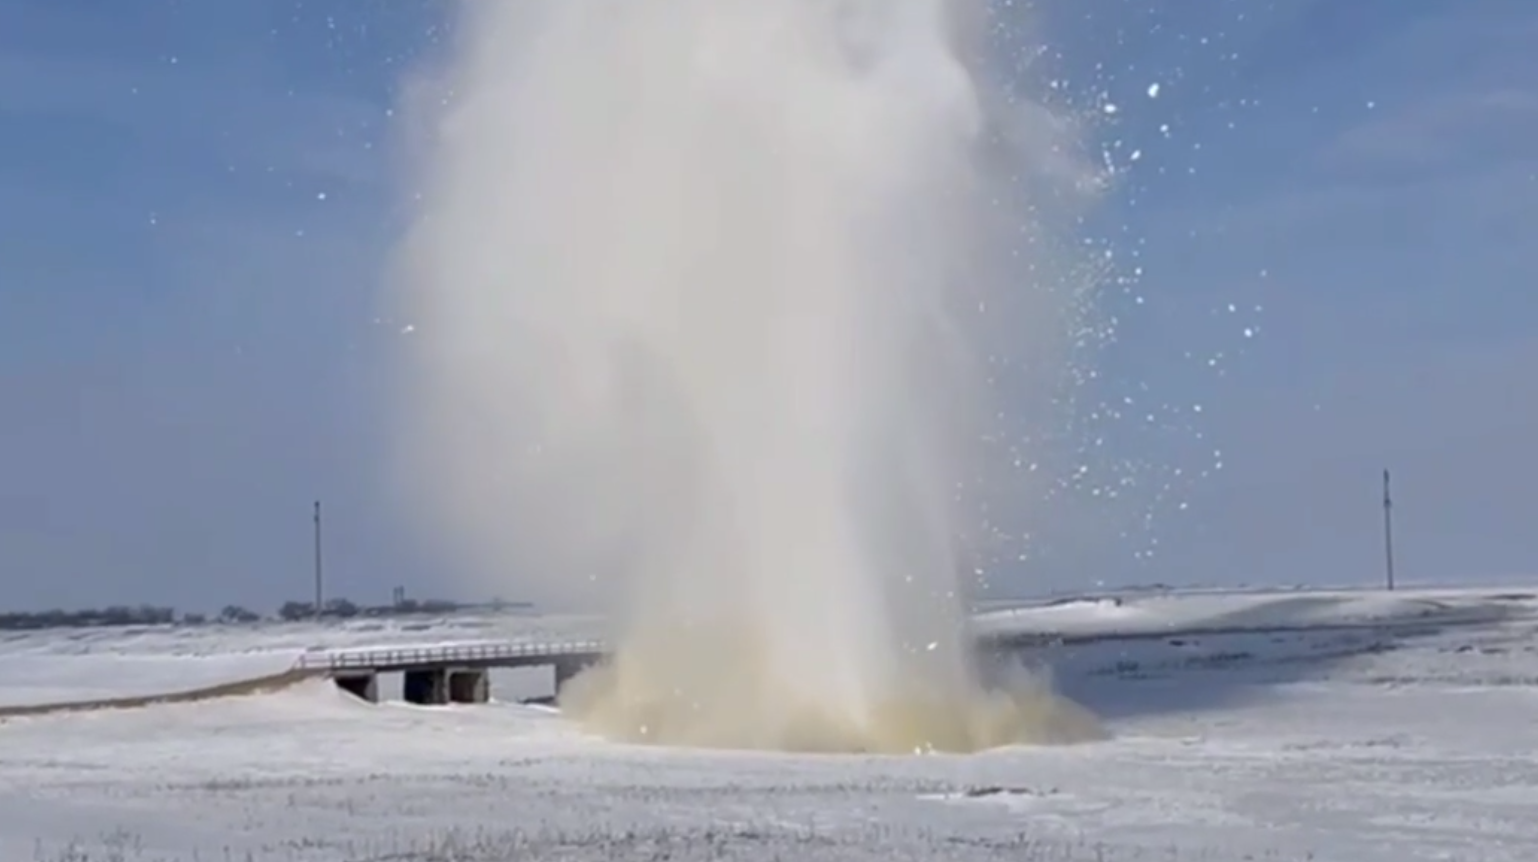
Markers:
point(688, 279)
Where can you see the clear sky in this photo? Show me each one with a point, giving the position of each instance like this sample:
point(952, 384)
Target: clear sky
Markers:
point(1334, 210)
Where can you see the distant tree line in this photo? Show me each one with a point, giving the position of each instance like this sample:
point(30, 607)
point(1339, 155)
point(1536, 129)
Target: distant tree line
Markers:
point(117, 615)
point(291, 611)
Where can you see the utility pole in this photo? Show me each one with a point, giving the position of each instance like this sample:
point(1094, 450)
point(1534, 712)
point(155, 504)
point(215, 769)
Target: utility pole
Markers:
point(319, 592)
point(1388, 531)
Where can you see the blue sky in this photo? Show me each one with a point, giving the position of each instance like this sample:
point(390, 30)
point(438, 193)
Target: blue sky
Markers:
point(196, 203)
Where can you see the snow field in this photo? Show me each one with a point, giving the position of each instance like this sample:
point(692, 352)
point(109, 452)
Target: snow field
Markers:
point(1411, 736)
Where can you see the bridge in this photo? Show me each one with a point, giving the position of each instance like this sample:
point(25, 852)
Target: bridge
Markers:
point(459, 673)
point(449, 673)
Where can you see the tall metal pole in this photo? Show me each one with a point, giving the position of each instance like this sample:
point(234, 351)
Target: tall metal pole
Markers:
point(1388, 531)
point(319, 592)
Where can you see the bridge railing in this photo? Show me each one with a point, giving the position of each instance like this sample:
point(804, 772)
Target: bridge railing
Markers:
point(363, 659)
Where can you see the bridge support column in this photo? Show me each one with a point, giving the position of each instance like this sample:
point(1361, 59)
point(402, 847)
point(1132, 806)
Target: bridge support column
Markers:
point(362, 685)
point(429, 687)
point(568, 667)
point(469, 685)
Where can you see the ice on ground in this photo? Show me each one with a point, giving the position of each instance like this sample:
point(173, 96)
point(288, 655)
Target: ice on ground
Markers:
point(1387, 744)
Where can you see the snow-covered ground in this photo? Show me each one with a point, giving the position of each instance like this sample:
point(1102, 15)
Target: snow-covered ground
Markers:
point(1349, 726)
point(289, 638)
point(1108, 616)
point(77, 665)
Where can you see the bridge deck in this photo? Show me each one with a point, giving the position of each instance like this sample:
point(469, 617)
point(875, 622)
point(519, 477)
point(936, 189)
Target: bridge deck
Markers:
point(484, 655)
point(509, 654)
point(529, 654)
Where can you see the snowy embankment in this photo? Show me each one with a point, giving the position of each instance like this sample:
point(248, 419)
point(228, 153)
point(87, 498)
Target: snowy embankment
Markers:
point(1110, 617)
point(44, 679)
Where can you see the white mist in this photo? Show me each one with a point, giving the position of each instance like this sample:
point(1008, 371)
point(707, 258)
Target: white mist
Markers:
point(690, 282)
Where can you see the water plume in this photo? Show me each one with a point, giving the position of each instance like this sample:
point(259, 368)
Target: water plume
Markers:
point(695, 286)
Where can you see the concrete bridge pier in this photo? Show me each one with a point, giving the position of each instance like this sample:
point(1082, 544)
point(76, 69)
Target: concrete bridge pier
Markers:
point(428, 687)
point(364, 685)
point(567, 667)
point(443, 685)
point(469, 685)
